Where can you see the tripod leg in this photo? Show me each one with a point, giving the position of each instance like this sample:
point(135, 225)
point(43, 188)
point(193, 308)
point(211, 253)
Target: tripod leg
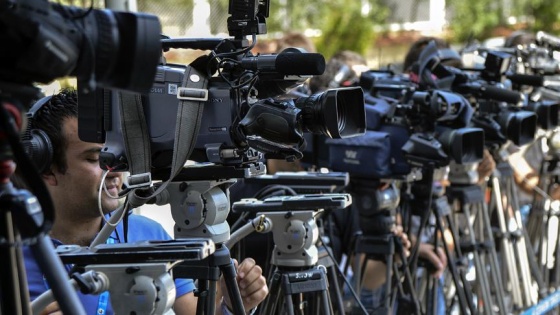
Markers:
point(409, 285)
point(326, 303)
point(222, 259)
point(480, 268)
point(271, 301)
point(488, 237)
point(229, 274)
point(289, 304)
point(531, 264)
point(10, 286)
point(201, 305)
point(463, 287)
point(334, 289)
point(506, 245)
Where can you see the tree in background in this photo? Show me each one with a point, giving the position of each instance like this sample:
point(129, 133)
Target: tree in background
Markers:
point(542, 15)
point(477, 19)
point(473, 19)
point(180, 16)
point(349, 25)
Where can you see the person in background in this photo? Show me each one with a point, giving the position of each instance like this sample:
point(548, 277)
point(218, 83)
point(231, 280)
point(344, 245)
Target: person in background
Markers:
point(295, 39)
point(527, 161)
point(74, 180)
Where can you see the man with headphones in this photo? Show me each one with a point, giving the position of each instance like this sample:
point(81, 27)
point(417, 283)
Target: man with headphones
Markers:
point(71, 172)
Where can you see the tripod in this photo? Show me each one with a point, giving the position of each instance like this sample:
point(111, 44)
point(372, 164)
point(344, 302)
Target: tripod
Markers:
point(200, 209)
point(295, 256)
point(436, 206)
point(516, 250)
point(377, 211)
point(388, 245)
point(468, 203)
point(542, 225)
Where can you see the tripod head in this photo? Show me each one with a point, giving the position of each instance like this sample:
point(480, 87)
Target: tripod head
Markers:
point(139, 289)
point(199, 208)
point(294, 226)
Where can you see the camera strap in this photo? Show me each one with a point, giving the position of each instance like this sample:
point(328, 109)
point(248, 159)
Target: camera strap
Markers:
point(191, 95)
point(136, 140)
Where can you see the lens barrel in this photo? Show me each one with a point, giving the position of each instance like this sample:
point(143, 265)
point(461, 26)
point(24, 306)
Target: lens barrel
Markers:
point(336, 113)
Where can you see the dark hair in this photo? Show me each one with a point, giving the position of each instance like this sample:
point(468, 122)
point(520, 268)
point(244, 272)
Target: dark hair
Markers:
point(295, 39)
point(519, 38)
point(416, 49)
point(50, 118)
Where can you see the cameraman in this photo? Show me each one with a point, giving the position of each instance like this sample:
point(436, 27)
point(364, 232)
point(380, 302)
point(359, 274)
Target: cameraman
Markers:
point(73, 180)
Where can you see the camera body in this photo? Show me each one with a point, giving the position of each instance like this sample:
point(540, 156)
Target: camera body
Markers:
point(237, 127)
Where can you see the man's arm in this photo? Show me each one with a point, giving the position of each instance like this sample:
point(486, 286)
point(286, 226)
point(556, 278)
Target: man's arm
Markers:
point(185, 304)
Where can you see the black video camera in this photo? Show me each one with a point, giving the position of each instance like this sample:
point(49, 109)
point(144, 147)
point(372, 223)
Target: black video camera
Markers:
point(406, 128)
point(499, 111)
point(243, 115)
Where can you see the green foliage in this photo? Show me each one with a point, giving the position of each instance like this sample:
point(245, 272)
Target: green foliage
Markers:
point(180, 16)
point(478, 18)
point(348, 28)
point(546, 15)
point(342, 20)
point(473, 18)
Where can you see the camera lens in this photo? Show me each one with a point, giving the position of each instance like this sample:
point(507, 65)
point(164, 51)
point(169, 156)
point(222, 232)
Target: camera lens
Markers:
point(518, 126)
point(45, 41)
point(463, 145)
point(112, 46)
point(336, 113)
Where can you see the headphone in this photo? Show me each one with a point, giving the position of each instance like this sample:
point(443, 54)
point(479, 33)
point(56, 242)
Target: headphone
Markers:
point(36, 142)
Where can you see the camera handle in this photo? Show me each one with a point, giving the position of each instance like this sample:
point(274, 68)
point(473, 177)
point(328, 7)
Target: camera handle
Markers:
point(192, 96)
point(91, 282)
point(260, 224)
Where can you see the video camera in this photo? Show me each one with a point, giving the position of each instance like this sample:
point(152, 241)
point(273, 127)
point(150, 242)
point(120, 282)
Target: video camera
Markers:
point(243, 116)
point(499, 110)
point(407, 128)
point(44, 41)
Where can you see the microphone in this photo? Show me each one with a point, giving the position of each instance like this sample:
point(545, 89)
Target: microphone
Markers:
point(491, 92)
point(288, 62)
point(526, 79)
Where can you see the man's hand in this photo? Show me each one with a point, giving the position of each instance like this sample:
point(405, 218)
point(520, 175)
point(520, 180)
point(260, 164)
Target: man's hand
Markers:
point(436, 258)
point(51, 309)
point(486, 166)
point(406, 244)
point(252, 284)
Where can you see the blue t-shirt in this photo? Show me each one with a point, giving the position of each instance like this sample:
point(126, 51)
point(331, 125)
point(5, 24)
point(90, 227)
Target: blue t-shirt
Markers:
point(140, 229)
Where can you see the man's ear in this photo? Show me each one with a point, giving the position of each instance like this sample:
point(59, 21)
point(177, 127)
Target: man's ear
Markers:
point(50, 178)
